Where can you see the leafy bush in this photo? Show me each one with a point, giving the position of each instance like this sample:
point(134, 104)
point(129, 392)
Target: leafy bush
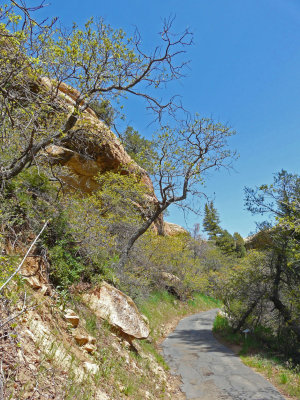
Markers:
point(66, 268)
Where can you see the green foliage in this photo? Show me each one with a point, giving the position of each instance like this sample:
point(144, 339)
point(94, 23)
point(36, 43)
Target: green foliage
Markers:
point(102, 221)
point(8, 266)
point(27, 200)
point(91, 323)
point(211, 221)
point(230, 245)
point(104, 111)
point(140, 149)
point(259, 290)
point(283, 378)
point(239, 245)
point(220, 323)
point(280, 199)
point(103, 65)
point(66, 268)
point(226, 242)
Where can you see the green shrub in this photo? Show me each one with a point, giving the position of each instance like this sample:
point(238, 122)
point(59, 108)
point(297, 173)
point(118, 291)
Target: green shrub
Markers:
point(66, 269)
point(220, 324)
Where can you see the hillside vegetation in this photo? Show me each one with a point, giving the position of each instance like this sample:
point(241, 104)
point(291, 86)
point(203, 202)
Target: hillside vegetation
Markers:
point(82, 209)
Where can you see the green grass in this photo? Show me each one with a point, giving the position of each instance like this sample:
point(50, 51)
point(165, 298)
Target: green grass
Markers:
point(202, 302)
point(91, 323)
point(278, 372)
point(254, 354)
point(150, 348)
point(162, 308)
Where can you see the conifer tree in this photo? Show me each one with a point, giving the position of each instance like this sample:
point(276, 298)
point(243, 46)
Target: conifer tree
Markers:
point(240, 248)
point(211, 221)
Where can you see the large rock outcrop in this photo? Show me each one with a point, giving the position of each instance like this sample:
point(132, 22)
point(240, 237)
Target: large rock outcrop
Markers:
point(171, 229)
point(119, 310)
point(93, 149)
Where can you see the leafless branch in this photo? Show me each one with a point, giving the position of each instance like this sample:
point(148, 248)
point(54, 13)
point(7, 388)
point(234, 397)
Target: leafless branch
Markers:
point(24, 258)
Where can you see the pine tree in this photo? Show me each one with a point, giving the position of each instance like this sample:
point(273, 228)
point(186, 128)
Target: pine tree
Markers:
point(211, 221)
point(240, 248)
point(226, 242)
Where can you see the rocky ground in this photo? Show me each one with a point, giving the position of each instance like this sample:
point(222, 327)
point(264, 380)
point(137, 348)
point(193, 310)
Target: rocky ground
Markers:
point(58, 349)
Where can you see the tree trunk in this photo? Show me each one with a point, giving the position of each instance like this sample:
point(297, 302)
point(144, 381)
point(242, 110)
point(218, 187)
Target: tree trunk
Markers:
point(275, 298)
point(246, 315)
point(32, 151)
point(284, 311)
point(145, 226)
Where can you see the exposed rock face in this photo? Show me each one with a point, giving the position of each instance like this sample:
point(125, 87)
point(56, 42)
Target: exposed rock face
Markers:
point(90, 367)
point(93, 149)
point(111, 304)
point(173, 229)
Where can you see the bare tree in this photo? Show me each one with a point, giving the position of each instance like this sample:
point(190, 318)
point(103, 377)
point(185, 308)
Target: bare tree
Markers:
point(184, 155)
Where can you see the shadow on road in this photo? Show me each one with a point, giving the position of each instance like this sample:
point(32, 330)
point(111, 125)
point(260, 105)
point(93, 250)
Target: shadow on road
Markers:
point(202, 338)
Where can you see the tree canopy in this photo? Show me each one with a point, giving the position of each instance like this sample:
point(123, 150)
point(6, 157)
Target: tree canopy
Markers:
point(100, 63)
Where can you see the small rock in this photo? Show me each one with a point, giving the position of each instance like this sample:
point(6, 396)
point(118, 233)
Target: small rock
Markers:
point(90, 348)
point(44, 290)
point(74, 320)
point(121, 387)
point(116, 347)
point(91, 339)
point(147, 395)
point(34, 282)
point(81, 340)
point(125, 344)
point(90, 368)
point(71, 317)
point(69, 311)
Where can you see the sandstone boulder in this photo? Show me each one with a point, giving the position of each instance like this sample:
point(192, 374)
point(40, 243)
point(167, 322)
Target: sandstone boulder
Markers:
point(171, 229)
point(93, 149)
point(118, 309)
point(81, 340)
point(173, 284)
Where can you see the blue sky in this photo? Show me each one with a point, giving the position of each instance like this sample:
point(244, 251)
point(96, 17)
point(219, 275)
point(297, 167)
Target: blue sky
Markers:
point(244, 71)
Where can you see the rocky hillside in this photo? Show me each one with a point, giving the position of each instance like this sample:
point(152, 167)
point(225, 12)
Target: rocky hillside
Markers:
point(95, 345)
point(54, 352)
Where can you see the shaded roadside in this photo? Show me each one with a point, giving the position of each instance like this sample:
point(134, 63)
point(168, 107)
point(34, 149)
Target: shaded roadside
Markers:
point(209, 370)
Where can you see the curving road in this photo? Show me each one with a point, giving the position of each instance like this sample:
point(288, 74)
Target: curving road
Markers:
point(209, 370)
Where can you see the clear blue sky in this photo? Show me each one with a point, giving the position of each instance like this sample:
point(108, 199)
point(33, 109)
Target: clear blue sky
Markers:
point(245, 66)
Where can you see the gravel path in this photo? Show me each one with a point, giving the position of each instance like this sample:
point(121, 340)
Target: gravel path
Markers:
point(209, 370)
